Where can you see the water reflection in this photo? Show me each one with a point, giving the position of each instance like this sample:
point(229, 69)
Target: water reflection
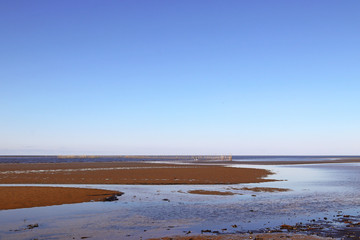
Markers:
point(318, 190)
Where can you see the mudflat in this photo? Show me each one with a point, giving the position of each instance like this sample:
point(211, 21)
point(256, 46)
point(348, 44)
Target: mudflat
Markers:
point(25, 197)
point(127, 173)
point(106, 173)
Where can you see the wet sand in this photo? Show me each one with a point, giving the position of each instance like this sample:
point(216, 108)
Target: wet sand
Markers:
point(228, 193)
point(26, 197)
point(105, 173)
point(127, 173)
point(133, 173)
point(261, 189)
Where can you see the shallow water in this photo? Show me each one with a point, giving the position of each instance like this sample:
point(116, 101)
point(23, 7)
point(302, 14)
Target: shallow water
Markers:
point(317, 191)
point(171, 158)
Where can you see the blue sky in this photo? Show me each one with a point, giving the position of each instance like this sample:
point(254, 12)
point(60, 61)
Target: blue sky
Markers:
point(180, 77)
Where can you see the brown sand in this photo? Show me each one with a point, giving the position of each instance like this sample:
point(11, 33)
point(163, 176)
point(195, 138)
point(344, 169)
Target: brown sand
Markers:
point(262, 236)
point(25, 197)
point(127, 173)
point(106, 173)
point(261, 189)
point(205, 192)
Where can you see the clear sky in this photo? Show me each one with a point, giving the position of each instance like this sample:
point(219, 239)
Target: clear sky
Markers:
point(180, 77)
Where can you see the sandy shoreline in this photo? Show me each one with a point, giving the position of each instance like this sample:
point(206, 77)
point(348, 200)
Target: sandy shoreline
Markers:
point(106, 173)
point(141, 173)
point(26, 197)
point(127, 173)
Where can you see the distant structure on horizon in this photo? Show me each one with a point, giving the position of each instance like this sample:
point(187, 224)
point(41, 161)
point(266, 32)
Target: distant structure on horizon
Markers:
point(223, 158)
point(226, 158)
point(213, 158)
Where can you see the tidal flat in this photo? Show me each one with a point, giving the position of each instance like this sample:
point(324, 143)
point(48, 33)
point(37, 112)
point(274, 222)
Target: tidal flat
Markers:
point(320, 199)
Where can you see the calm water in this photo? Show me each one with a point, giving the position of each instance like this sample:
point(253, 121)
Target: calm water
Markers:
point(60, 159)
point(317, 191)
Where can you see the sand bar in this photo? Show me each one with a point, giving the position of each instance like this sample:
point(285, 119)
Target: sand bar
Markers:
point(261, 189)
point(106, 173)
point(127, 173)
point(25, 197)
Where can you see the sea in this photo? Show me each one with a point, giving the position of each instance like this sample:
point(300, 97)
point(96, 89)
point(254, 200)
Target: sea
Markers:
point(167, 158)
